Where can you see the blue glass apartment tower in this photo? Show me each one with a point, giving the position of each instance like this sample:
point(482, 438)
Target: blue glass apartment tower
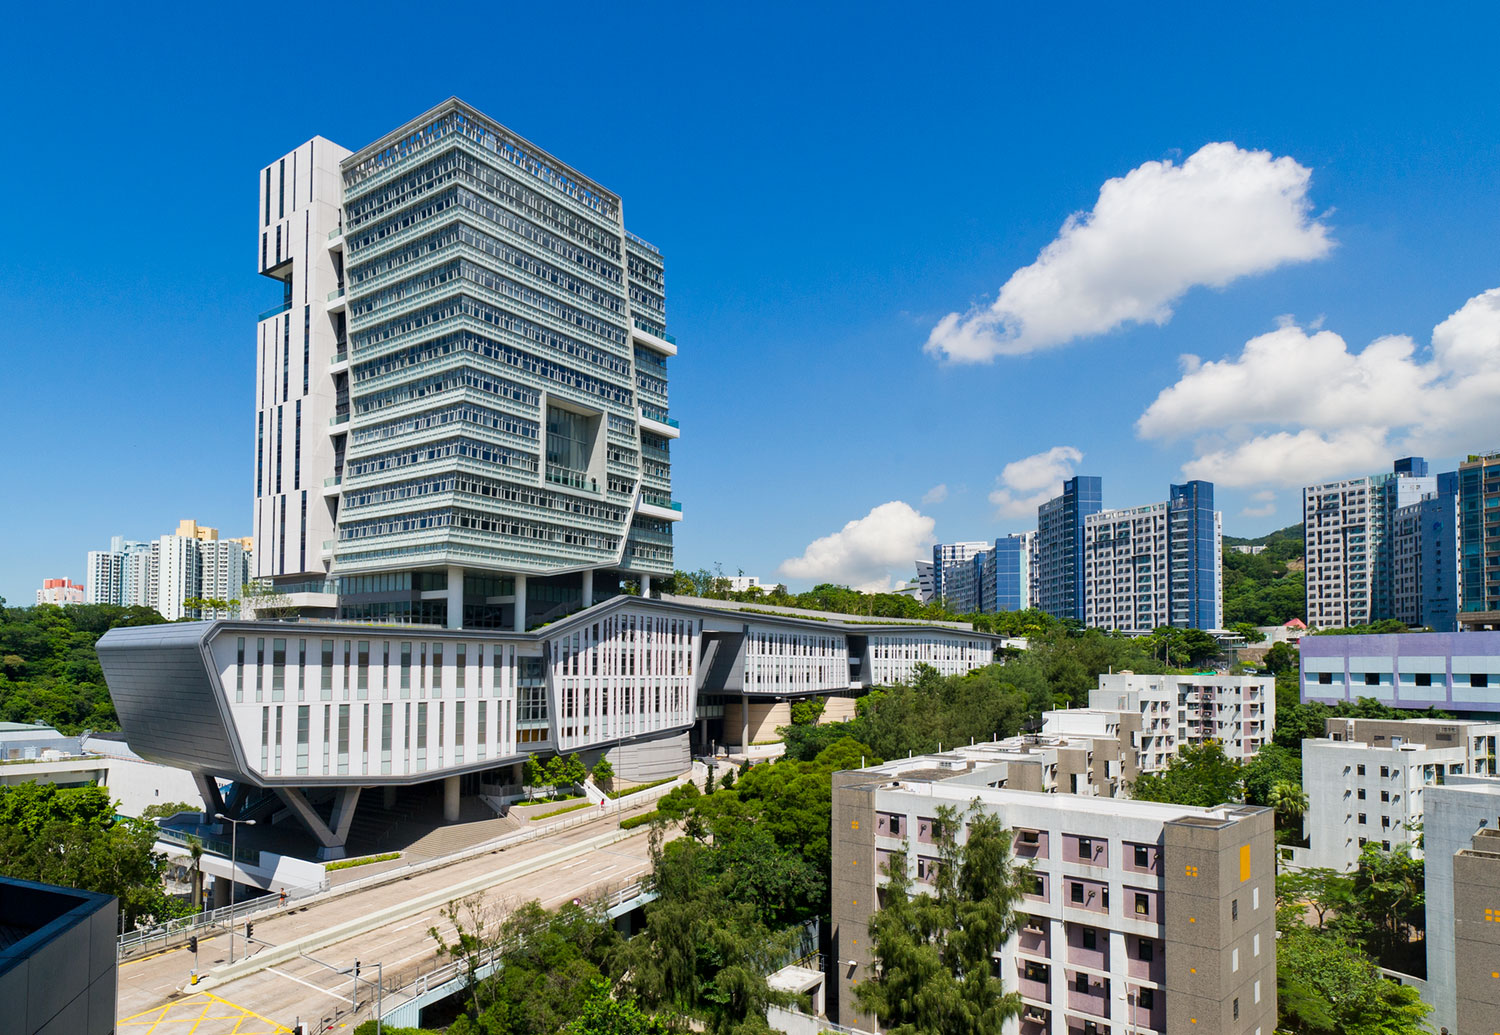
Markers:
point(1003, 583)
point(1194, 572)
point(1478, 503)
point(1438, 515)
point(1059, 546)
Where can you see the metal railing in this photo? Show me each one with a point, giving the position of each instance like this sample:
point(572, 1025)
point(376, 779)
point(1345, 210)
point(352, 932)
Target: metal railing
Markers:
point(660, 416)
point(660, 501)
point(162, 936)
point(212, 845)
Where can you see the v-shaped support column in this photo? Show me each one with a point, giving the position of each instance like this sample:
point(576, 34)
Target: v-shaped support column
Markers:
point(332, 838)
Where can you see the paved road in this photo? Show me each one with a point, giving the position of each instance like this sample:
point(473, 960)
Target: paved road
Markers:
point(301, 988)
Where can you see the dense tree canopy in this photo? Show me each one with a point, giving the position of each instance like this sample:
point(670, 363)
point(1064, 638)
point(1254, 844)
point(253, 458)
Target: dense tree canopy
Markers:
point(1268, 588)
point(1199, 774)
point(70, 837)
point(48, 669)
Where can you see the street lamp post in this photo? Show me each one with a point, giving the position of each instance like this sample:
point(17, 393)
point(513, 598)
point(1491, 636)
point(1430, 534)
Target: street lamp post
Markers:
point(234, 868)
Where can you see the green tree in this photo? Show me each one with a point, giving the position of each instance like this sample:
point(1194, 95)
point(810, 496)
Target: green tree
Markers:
point(1251, 633)
point(933, 950)
point(474, 942)
point(1326, 986)
point(1325, 891)
point(1282, 657)
point(808, 711)
point(1199, 774)
point(603, 1014)
point(1390, 904)
point(1289, 801)
point(49, 671)
point(701, 953)
point(604, 773)
point(71, 837)
point(1271, 765)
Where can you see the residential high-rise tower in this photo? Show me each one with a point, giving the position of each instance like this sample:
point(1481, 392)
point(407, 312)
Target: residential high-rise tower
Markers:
point(1059, 546)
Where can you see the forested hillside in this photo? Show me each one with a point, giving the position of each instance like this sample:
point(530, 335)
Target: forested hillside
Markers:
point(1268, 588)
point(48, 669)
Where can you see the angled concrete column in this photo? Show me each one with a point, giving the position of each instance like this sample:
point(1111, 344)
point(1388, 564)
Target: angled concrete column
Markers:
point(520, 621)
point(645, 585)
point(330, 840)
point(588, 588)
point(208, 789)
point(344, 802)
point(450, 799)
point(455, 597)
point(745, 725)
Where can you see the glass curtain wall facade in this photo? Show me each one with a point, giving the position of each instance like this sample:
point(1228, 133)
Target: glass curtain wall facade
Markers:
point(1059, 547)
point(1479, 529)
point(1004, 584)
point(506, 341)
point(1194, 567)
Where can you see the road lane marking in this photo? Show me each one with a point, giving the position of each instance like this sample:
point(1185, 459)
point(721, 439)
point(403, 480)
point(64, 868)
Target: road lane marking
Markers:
point(309, 984)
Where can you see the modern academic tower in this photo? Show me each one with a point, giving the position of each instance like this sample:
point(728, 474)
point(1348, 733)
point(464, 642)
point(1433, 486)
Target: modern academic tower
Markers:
point(461, 402)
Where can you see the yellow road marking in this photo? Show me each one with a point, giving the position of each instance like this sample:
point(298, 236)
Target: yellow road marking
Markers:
point(201, 1013)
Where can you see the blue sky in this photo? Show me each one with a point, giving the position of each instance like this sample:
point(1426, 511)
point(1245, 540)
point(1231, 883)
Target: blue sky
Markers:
point(827, 184)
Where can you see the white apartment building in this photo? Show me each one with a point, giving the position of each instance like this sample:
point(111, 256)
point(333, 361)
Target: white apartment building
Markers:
point(104, 577)
point(135, 573)
point(177, 566)
point(1365, 781)
point(61, 592)
point(1348, 527)
point(162, 574)
point(1237, 711)
point(1155, 565)
point(224, 569)
point(1125, 569)
point(955, 580)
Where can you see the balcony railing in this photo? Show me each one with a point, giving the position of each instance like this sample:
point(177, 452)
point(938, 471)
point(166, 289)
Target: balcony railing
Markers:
point(275, 311)
point(660, 416)
point(335, 480)
point(341, 356)
point(660, 501)
point(335, 294)
point(336, 232)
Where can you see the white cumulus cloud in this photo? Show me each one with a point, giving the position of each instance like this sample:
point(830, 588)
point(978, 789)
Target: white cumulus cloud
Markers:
point(864, 552)
point(1025, 484)
point(936, 494)
point(1265, 504)
point(1154, 234)
point(1298, 406)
